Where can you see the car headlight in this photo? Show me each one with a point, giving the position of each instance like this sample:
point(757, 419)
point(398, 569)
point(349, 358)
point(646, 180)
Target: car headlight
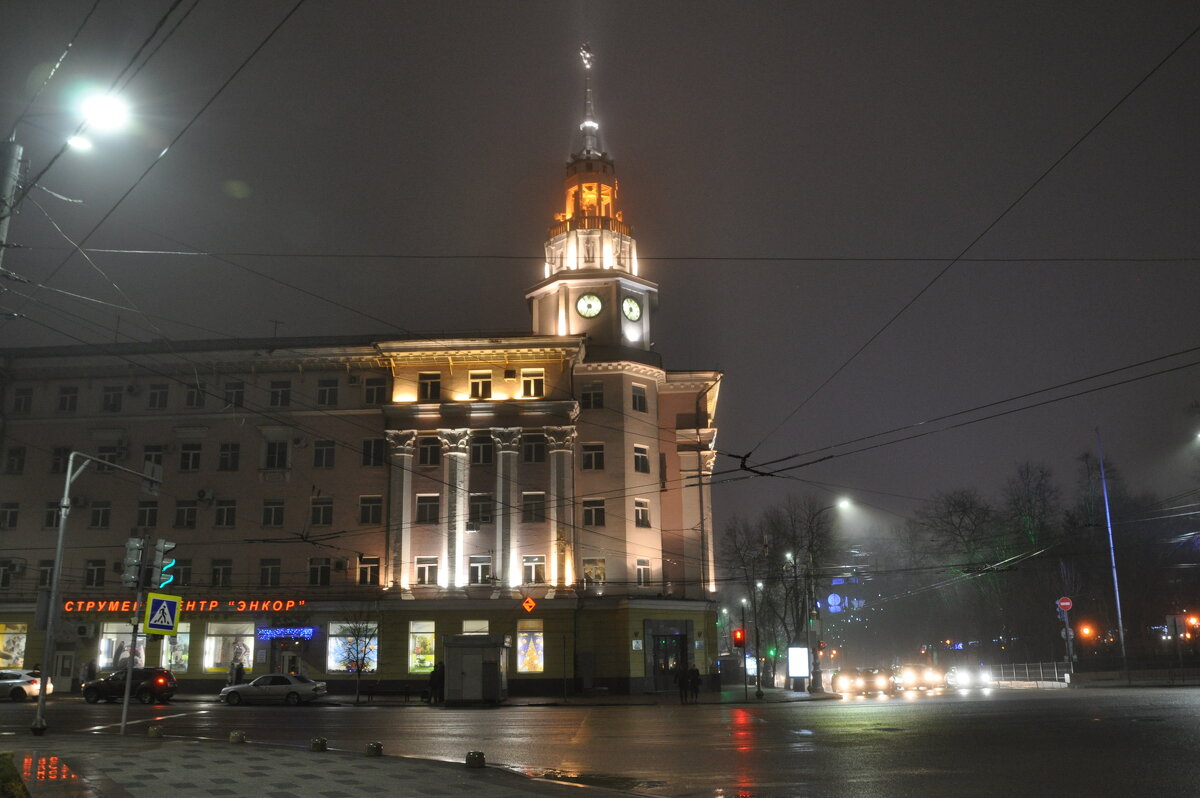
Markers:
point(909, 676)
point(881, 682)
point(964, 679)
point(985, 677)
point(859, 682)
point(843, 683)
point(933, 677)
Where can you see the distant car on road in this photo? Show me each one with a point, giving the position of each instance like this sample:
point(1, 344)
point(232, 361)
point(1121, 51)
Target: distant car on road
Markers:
point(919, 677)
point(150, 685)
point(19, 685)
point(289, 688)
point(967, 676)
point(864, 681)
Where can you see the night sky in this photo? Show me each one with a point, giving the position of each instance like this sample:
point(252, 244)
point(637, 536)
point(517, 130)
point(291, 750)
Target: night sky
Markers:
point(796, 174)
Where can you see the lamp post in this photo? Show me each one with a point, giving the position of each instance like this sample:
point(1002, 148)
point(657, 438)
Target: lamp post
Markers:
point(798, 622)
point(813, 614)
point(758, 691)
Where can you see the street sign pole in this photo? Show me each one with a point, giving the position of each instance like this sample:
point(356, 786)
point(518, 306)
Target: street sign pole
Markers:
point(1064, 605)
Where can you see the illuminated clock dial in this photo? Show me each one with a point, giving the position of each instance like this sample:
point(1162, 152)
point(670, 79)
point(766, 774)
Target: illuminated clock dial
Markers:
point(588, 305)
point(631, 308)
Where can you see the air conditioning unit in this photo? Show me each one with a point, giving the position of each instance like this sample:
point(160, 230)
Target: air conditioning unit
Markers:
point(353, 379)
point(339, 565)
point(85, 630)
point(299, 441)
point(204, 495)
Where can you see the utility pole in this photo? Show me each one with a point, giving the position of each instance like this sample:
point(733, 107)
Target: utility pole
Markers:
point(10, 173)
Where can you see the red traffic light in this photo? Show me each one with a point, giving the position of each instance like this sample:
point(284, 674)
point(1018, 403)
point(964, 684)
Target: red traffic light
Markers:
point(739, 638)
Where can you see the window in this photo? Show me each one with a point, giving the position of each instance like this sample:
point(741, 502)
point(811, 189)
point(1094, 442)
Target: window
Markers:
point(368, 570)
point(429, 451)
point(475, 627)
point(9, 514)
point(45, 572)
point(235, 394)
point(111, 397)
point(59, 456)
point(533, 507)
point(533, 569)
point(533, 383)
point(6, 573)
point(643, 572)
point(107, 456)
point(593, 457)
point(481, 384)
point(280, 394)
point(22, 400)
point(321, 511)
point(531, 646)
point(591, 396)
point(323, 454)
point(268, 572)
point(189, 456)
point(157, 395)
point(353, 647)
point(639, 398)
point(153, 453)
point(183, 573)
point(327, 392)
point(370, 509)
point(641, 512)
point(319, 570)
point(420, 646)
point(479, 569)
point(51, 515)
point(147, 513)
point(222, 573)
point(641, 459)
point(373, 450)
point(429, 386)
point(594, 572)
point(193, 396)
point(593, 512)
point(427, 570)
point(272, 512)
point(276, 455)
point(93, 575)
point(185, 514)
point(225, 514)
point(14, 460)
point(482, 450)
point(375, 390)
point(68, 400)
point(101, 515)
point(533, 448)
point(428, 509)
point(229, 457)
point(481, 508)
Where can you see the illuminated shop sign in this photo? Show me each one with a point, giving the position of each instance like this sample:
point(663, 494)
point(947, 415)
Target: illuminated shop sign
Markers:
point(291, 632)
point(186, 605)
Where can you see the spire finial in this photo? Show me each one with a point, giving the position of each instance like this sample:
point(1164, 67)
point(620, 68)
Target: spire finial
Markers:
point(589, 126)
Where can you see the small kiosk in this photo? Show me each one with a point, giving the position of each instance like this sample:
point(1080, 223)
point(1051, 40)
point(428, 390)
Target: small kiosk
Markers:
point(476, 670)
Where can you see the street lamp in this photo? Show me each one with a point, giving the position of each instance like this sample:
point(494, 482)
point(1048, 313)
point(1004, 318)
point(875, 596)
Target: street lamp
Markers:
point(812, 635)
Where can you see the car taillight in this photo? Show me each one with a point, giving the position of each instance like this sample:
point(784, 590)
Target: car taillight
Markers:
point(35, 681)
point(160, 680)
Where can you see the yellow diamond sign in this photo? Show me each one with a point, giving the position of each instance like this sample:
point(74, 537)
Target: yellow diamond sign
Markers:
point(529, 604)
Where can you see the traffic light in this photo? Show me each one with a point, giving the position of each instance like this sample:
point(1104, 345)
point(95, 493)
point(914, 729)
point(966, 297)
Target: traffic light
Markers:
point(739, 638)
point(161, 574)
point(134, 550)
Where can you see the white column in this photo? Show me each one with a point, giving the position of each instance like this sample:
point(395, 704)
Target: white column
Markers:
point(456, 447)
point(400, 517)
point(508, 498)
point(560, 506)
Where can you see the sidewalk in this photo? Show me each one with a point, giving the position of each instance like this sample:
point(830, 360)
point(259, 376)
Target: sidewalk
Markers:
point(84, 765)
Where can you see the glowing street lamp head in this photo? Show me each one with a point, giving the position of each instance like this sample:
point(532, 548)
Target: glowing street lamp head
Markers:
point(105, 112)
point(843, 504)
point(79, 143)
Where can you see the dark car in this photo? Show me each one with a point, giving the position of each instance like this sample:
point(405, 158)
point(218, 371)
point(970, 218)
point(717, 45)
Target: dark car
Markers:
point(150, 685)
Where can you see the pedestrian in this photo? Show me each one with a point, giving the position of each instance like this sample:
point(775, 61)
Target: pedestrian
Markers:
point(437, 683)
point(694, 683)
point(681, 679)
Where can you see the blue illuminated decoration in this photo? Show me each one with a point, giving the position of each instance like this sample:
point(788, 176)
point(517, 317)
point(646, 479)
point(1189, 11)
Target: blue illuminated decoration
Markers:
point(835, 603)
point(837, 580)
point(301, 632)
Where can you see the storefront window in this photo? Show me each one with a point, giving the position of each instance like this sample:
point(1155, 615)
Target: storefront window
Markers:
point(531, 657)
point(227, 645)
point(420, 646)
point(175, 649)
point(12, 644)
point(114, 647)
point(350, 644)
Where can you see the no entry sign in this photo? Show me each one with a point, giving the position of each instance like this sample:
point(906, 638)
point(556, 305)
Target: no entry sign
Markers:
point(1064, 603)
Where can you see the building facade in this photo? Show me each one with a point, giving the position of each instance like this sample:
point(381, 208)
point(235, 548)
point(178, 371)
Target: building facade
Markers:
point(544, 489)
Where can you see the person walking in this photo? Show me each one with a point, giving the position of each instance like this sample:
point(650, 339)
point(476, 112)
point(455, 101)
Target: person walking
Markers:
point(693, 678)
point(681, 679)
point(437, 683)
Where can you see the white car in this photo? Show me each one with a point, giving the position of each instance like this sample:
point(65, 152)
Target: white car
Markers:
point(20, 685)
point(289, 688)
point(969, 677)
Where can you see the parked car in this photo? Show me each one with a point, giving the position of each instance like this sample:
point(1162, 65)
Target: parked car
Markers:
point(967, 676)
point(864, 681)
point(150, 685)
point(919, 677)
point(20, 685)
point(289, 688)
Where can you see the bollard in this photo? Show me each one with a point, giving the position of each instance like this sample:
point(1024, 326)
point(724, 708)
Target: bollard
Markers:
point(237, 737)
point(317, 744)
point(374, 749)
point(475, 759)
point(154, 731)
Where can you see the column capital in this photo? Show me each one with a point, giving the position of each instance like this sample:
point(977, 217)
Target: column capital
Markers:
point(401, 441)
point(507, 439)
point(455, 441)
point(561, 439)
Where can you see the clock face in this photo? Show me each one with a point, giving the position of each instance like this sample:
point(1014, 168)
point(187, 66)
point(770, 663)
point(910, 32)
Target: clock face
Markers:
point(588, 305)
point(631, 308)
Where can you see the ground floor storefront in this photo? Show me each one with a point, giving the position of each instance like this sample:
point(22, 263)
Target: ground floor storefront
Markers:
point(550, 646)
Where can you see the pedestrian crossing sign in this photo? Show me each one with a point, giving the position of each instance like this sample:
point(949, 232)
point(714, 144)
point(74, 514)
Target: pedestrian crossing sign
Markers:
point(162, 614)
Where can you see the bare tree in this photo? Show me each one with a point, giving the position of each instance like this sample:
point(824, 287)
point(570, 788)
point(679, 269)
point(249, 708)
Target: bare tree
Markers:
point(358, 642)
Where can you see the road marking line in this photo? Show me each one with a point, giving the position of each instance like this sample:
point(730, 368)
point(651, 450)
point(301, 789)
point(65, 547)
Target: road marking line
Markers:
point(147, 720)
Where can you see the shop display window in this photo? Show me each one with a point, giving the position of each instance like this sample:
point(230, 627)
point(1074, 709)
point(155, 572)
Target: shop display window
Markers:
point(174, 656)
point(114, 647)
point(531, 650)
point(350, 643)
point(420, 646)
point(227, 645)
point(12, 644)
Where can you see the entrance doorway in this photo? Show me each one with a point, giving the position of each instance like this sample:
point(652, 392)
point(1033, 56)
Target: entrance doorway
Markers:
point(668, 652)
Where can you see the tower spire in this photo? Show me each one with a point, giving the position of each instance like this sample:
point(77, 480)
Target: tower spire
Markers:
point(589, 126)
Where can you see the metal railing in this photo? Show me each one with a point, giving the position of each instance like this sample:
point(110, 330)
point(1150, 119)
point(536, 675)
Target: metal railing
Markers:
point(1031, 672)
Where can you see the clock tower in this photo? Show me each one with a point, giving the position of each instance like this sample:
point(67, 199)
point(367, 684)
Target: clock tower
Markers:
point(591, 284)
